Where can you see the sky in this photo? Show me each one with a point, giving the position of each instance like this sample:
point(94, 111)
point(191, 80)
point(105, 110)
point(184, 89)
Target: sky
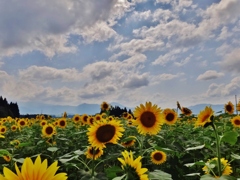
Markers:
point(69, 52)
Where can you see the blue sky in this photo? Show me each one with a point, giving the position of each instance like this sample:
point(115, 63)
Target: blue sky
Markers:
point(68, 52)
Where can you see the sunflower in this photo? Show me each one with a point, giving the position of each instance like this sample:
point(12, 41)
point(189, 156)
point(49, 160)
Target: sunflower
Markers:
point(51, 142)
point(43, 122)
point(93, 153)
point(125, 115)
point(13, 127)
point(110, 118)
point(186, 111)
point(15, 143)
point(76, 118)
point(236, 121)
point(170, 116)
point(103, 132)
point(7, 158)
point(3, 129)
point(212, 164)
point(105, 106)
point(229, 108)
point(148, 118)
point(37, 170)
point(90, 120)
point(130, 142)
point(158, 157)
point(129, 117)
point(84, 119)
point(129, 164)
point(22, 123)
point(62, 123)
point(98, 117)
point(204, 116)
point(48, 130)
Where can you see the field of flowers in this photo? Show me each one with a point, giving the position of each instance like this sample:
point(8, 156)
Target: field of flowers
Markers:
point(152, 143)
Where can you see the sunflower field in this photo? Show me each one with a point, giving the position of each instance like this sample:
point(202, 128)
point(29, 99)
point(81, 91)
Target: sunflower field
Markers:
point(150, 144)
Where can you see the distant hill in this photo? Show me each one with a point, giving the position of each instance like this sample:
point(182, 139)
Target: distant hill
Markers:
point(199, 107)
point(58, 110)
point(91, 109)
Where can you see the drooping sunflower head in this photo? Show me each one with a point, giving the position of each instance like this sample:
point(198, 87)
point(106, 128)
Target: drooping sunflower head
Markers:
point(90, 120)
point(236, 121)
point(204, 117)
point(148, 118)
point(211, 167)
point(133, 167)
point(186, 111)
point(229, 108)
point(170, 116)
point(15, 143)
point(93, 153)
point(62, 123)
point(103, 132)
point(3, 129)
point(130, 142)
point(105, 106)
point(48, 130)
point(7, 158)
point(76, 118)
point(158, 157)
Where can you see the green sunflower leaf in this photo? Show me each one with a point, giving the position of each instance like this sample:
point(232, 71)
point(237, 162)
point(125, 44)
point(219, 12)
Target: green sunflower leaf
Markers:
point(230, 137)
point(159, 175)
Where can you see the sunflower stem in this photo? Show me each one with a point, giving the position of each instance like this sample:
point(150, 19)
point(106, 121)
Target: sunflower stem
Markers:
point(218, 150)
point(93, 163)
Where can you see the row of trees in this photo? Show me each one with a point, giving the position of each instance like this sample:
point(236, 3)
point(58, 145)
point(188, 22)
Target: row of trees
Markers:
point(8, 109)
point(117, 111)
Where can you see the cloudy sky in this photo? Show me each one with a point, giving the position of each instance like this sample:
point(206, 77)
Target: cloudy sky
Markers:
point(69, 52)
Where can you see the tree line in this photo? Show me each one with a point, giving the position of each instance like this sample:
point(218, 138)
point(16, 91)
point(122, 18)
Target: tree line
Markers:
point(8, 109)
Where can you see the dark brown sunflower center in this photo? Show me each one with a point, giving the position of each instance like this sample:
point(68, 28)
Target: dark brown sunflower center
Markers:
point(76, 118)
point(98, 118)
point(128, 142)
point(105, 133)
point(14, 127)
point(170, 117)
point(3, 130)
point(105, 106)
point(94, 151)
point(43, 123)
point(237, 122)
point(85, 118)
point(229, 108)
point(22, 123)
point(91, 120)
point(148, 119)
point(158, 156)
point(62, 123)
point(49, 130)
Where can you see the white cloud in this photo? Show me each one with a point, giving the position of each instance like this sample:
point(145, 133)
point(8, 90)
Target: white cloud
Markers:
point(45, 25)
point(210, 74)
point(46, 74)
point(136, 81)
point(231, 61)
point(224, 90)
